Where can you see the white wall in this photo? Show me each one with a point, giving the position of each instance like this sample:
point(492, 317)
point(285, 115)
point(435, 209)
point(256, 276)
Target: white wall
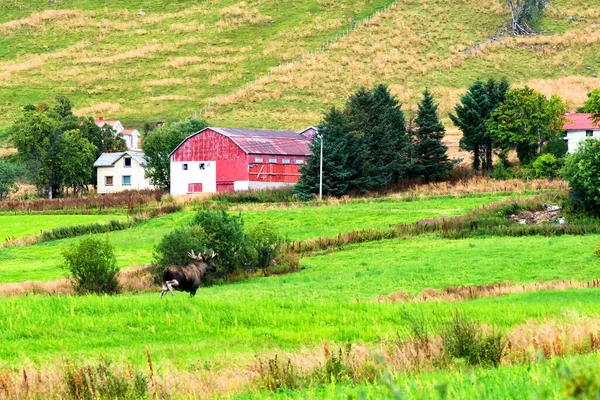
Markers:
point(180, 178)
point(268, 185)
point(574, 137)
point(136, 171)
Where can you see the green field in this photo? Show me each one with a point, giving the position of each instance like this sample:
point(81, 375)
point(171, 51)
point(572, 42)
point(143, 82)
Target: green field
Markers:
point(18, 226)
point(147, 61)
point(134, 246)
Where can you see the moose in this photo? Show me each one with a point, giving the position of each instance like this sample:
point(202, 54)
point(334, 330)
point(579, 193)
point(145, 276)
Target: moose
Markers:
point(187, 278)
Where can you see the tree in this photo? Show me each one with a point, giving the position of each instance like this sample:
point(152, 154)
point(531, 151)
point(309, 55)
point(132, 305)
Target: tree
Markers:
point(525, 15)
point(527, 121)
point(365, 146)
point(93, 266)
point(582, 170)
point(75, 156)
point(429, 154)
point(336, 173)
point(592, 105)
point(8, 178)
point(471, 116)
point(159, 143)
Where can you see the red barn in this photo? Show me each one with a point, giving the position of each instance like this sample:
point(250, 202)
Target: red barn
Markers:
point(217, 159)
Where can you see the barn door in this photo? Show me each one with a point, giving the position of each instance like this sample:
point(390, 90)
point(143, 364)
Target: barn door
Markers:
point(194, 188)
point(224, 186)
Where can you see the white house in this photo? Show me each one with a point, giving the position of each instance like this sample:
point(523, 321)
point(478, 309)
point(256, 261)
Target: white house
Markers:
point(121, 171)
point(579, 127)
point(131, 136)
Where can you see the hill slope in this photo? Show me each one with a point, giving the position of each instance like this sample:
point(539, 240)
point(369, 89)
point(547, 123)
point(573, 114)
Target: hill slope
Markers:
point(149, 60)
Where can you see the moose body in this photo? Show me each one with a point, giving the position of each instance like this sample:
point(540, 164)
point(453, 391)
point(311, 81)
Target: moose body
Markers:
point(186, 278)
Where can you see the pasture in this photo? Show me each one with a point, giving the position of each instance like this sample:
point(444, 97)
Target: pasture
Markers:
point(339, 298)
point(134, 246)
point(18, 226)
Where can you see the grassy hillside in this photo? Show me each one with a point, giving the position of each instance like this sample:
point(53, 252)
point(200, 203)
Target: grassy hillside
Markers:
point(149, 60)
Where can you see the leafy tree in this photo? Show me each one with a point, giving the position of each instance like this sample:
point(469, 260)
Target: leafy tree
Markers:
point(582, 170)
point(160, 142)
point(547, 166)
point(93, 266)
point(527, 121)
point(592, 105)
point(75, 155)
point(8, 178)
point(429, 154)
point(525, 15)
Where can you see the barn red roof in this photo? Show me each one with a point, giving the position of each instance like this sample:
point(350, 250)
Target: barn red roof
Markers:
point(580, 122)
point(102, 122)
point(255, 141)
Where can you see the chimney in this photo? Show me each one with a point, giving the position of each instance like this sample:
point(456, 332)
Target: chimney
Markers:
point(101, 118)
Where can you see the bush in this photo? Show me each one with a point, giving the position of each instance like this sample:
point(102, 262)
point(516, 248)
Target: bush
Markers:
point(597, 251)
point(503, 173)
point(224, 234)
point(174, 247)
point(465, 339)
point(582, 170)
point(93, 266)
point(265, 240)
point(547, 166)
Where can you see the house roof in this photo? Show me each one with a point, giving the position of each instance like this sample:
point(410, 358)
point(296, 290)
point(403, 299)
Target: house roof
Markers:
point(102, 122)
point(109, 159)
point(580, 122)
point(128, 131)
point(256, 141)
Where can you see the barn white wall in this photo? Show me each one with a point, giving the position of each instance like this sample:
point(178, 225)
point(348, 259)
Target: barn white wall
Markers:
point(574, 137)
point(180, 178)
point(136, 171)
point(268, 185)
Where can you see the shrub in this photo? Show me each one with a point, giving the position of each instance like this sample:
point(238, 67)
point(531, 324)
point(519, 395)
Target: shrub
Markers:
point(265, 240)
point(597, 251)
point(503, 173)
point(174, 247)
point(582, 170)
point(92, 266)
point(224, 234)
point(547, 166)
point(465, 339)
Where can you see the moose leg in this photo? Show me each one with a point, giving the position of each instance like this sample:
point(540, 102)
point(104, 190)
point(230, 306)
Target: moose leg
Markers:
point(164, 289)
point(170, 285)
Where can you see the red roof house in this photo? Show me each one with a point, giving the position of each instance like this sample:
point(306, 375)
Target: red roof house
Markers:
point(579, 127)
point(216, 159)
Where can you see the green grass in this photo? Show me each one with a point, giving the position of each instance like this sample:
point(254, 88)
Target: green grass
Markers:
point(134, 246)
point(18, 226)
point(554, 378)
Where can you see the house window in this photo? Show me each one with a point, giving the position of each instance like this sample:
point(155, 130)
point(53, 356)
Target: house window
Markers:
point(286, 160)
point(299, 161)
point(272, 160)
point(589, 133)
point(184, 167)
point(258, 159)
point(202, 165)
point(126, 180)
point(127, 162)
point(108, 180)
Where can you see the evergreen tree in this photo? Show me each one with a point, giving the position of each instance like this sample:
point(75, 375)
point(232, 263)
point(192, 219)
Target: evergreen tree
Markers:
point(429, 154)
point(336, 171)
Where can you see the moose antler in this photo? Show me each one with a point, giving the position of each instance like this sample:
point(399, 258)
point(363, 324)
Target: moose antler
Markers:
point(209, 256)
point(193, 256)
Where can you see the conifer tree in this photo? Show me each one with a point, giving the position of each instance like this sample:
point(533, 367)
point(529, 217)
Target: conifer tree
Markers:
point(336, 172)
point(429, 154)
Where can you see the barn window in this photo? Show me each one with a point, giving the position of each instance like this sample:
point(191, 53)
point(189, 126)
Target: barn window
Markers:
point(184, 167)
point(286, 160)
point(108, 180)
point(272, 160)
point(202, 165)
point(127, 162)
point(589, 133)
point(126, 180)
point(258, 159)
point(299, 161)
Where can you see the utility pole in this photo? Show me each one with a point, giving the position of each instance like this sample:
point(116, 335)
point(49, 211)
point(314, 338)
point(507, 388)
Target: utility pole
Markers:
point(321, 170)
